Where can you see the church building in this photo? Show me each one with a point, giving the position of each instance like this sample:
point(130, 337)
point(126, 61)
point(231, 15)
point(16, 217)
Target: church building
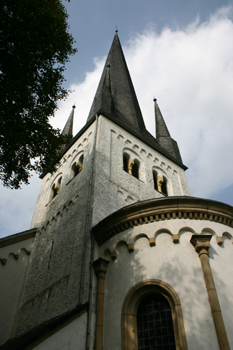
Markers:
point(119, 256)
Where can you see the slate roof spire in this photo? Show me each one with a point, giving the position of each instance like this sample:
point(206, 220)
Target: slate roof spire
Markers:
point(163, 136)
point(115, 94)
point(67, 132)
point(115, 98)
point(68, 129)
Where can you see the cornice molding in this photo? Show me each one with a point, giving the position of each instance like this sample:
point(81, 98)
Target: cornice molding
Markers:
point(168, 208)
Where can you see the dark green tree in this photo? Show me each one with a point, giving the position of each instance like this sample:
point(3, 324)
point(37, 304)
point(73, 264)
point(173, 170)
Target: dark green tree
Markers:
point(34, 47)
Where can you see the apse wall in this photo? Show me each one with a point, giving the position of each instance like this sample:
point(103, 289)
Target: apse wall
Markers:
point(162, 251)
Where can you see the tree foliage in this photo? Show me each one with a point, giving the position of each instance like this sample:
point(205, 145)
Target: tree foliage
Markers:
point(34, 47)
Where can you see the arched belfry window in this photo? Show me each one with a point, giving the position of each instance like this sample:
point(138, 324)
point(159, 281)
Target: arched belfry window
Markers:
point(155, 176)
point(126, 162)
point(135, 169)
point(160, 183)
point(131, 166)
point(56, 187)
point(77, 167)
point(155, 324)
point(164, 185)
point(152, 318)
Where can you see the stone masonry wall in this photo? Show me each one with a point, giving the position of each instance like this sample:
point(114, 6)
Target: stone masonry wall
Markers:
point(117, 188)
point(52, 284)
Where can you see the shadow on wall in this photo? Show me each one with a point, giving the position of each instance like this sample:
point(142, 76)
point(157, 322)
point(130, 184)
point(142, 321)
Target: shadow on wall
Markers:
point(176, 264)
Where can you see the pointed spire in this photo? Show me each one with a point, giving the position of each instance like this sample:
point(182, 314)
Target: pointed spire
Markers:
point(115, 94)
point(115, 98)
point(67, 132)
point(68, 129)
point(163, 136)
point(160, 125)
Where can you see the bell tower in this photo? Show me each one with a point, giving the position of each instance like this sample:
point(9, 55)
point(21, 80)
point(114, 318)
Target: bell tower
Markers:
point(111, 163)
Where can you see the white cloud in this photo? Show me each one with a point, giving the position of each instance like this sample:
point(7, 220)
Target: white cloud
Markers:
point(190, 72)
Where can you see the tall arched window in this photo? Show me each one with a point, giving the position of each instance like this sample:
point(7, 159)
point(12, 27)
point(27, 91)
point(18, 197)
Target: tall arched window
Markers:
point(154, 324)
point(150, 307)
point(56, 187)
point(155, 176)
point(126, 162)
point(135, 169)
point(77, 167)
point(131, 166)
point(164, 185)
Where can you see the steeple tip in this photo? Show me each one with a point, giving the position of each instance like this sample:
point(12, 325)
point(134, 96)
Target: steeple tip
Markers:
point(163, 136)
point(68, 129)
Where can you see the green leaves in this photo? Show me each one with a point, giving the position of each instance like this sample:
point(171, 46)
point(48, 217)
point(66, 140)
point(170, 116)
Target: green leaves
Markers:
point(34, 47)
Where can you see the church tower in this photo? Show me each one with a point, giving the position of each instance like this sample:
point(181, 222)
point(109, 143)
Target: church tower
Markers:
point(119, 258)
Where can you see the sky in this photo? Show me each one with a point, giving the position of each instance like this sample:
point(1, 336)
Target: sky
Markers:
point(180, 52)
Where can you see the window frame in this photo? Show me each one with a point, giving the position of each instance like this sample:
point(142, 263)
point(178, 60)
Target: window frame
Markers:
point(129, 337)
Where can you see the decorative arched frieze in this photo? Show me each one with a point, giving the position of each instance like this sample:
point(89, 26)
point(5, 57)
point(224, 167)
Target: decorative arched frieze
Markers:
point(140, 235)
point(66, 206)
point(161, 231)
point(14, 255)
point(132, 300)
point(107, 254)
point(207, 231)
point(161, 209)
point(228, 235)
point(185, 229)
point(121, 243)
point(128, 142)
point(119, 136)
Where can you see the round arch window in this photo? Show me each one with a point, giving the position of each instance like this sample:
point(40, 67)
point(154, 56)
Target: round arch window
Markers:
point(154, 324)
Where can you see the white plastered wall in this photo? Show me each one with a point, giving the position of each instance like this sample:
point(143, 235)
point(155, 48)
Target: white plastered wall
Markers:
point(176, 264)
point(11, 280)
point(70, 335)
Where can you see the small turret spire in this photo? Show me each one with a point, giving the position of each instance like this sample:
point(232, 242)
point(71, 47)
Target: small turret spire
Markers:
point(160, 125)
point(68, 129)
point(163, 136)
point(67, 132)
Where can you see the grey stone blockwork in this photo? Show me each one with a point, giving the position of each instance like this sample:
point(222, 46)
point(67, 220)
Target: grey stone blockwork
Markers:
point(52, 284)
point(117, 188)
